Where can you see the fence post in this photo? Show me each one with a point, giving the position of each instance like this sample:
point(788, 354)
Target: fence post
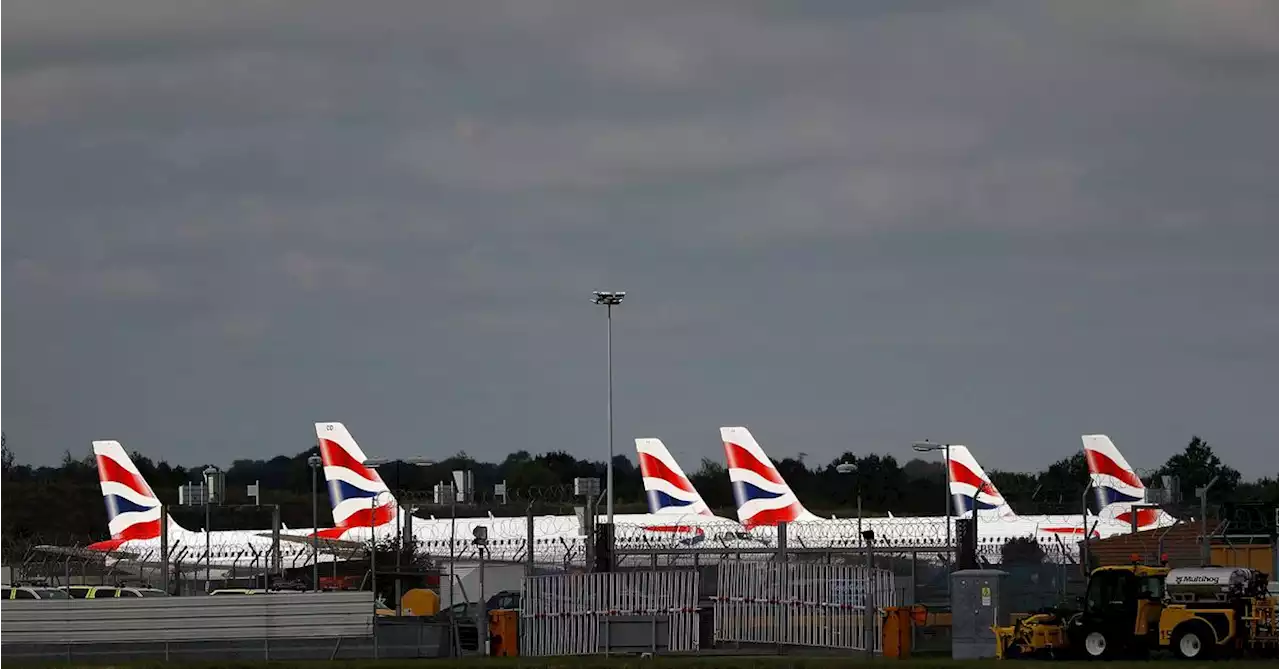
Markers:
point(653, 628)
point(276, 558)
point(164, 548)
point(1275, 548)
point(529, 541)
point(783, 586)
point(868, 601)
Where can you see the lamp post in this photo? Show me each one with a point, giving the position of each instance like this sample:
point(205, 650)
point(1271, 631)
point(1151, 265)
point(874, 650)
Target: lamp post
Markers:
point(315, 463)
point(209, 473)
point(1203, 494)
point(609, 299)
point(845, 469)
point(927, 446)
point(376, 462)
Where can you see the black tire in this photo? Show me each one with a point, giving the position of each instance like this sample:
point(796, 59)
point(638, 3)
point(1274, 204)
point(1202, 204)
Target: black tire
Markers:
point(1097, 645)
point(1194, 641)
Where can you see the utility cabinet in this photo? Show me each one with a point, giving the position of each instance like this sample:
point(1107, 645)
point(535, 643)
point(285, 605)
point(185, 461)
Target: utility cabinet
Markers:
point(979, 600)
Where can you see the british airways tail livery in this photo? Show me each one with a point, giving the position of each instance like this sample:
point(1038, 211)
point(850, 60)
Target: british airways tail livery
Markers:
point(762, 496)
point(356, 491)
point(133, 510)
point(1117, 486)
point(972, 489)
point(666, 487)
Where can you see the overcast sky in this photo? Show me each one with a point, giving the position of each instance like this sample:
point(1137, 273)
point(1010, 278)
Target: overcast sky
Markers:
point(846, 225)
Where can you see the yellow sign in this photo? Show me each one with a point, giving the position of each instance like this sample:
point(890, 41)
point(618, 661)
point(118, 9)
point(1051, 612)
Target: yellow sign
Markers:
point(986, 596)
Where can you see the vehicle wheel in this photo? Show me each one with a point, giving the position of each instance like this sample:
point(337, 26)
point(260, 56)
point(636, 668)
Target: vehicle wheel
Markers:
point(1193, 642)
point(1096, 645)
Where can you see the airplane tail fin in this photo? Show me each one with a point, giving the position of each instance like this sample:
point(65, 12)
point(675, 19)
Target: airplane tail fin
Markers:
point(666, 487)
point(354, 489)
point(762, 496)
point(972, 490)
point(133, 510)
point(1117, 486)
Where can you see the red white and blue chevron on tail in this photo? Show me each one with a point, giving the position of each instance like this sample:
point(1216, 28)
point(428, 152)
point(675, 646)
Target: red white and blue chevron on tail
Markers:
point(354, 488)
point(666, 487)
point(762, 496)
point(133, 510)
point(1117, 486)
point(972, 489)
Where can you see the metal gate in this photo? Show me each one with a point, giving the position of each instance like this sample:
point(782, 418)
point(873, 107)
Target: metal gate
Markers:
point(589, 614)
point(802, 604)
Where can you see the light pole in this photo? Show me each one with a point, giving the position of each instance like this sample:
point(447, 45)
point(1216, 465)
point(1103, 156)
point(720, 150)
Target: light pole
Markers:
point(845, 469)
point(209, 473)
point(609, 299)
point(1203, 494)
point(927, 446)
point(315, 462)
point(375, 462)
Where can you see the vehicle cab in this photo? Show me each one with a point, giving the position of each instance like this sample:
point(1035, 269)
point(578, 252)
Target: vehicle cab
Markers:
point(1120, 610)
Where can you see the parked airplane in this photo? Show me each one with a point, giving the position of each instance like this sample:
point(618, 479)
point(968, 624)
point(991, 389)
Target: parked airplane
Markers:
point(134, 519)
point(670, 492)
point(764, 500)
point(363, 506)
point(1118, 487)
point(972, 489)
point(666, 487)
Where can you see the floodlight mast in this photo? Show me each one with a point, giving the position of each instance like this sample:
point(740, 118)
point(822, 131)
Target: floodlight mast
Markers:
point(927, 446)
point(610, 299)
point(315, 462)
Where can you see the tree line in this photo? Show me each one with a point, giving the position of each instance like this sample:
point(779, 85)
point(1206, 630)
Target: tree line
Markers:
point(66, 501)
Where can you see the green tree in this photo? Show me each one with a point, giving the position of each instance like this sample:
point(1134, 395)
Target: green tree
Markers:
point(1195, 466)
point(712, 482)
point(6, 456)
point(1060, 486)
point(1021, 550)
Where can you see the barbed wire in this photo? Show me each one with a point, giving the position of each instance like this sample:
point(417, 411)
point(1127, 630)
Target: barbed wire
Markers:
point(550, 494)
point(552, 539)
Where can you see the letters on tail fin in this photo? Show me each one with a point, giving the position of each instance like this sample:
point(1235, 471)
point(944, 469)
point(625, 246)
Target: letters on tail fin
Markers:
point(763, 497)
point(1117, 486)
point(133, 510)
point(666, 487)
point(353, 487)
point(972, 489)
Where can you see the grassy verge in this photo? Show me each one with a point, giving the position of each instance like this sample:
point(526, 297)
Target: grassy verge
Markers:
point(703, 662)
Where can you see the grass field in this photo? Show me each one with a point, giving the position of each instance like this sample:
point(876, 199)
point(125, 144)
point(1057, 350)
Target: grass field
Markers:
point(705, 662)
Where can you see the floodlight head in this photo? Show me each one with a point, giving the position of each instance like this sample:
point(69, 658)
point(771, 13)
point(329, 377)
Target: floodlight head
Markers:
point(314, 461)
point(610, 298)
point(927, 446)
point(420, 462)
point(376, 462)
point(845, 468)
point(210, 470)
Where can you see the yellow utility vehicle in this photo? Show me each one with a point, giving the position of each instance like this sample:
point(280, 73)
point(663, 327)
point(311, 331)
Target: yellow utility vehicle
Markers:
point(1133, 609)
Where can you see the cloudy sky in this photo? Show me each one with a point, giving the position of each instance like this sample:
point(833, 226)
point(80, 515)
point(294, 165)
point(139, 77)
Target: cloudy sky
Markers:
point(845, 225)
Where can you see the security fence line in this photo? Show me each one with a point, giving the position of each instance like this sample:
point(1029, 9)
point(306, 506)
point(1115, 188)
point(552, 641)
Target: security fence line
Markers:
point(588, 614)
point(802, 604)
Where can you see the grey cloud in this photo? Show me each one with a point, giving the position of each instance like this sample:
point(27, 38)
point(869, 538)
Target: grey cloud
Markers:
point(848, 225)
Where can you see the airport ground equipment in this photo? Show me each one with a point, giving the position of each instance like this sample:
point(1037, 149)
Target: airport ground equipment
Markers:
point(1131, 610)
